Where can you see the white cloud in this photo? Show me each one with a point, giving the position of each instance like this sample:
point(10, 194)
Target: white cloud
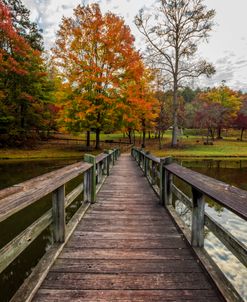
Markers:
point(227, 47)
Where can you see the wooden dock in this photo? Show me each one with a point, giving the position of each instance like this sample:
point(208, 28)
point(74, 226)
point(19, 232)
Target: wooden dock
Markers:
point(127, 248)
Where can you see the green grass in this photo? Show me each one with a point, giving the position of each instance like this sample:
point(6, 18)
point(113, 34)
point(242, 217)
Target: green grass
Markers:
point(190, 145)
point(194, 147)
point(59, 149)
point(40, 153)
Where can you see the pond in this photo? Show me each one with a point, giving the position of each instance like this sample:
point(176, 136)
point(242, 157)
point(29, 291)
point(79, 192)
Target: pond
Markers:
point(11, 172)
point(233, 172)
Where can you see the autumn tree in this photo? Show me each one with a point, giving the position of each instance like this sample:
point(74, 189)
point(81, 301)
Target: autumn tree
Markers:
point(138, 104)
point(224, 103)
point(241, 120)
point(95, 56)
point(173, 32)
point(24, 85)
point(20, 17)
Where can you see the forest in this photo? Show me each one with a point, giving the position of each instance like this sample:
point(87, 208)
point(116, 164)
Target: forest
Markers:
point(95, 80)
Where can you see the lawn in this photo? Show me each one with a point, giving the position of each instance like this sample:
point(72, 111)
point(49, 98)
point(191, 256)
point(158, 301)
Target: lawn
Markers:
point(193, 146)
point(190, 145)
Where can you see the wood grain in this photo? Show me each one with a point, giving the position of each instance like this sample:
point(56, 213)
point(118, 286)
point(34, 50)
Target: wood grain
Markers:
point(127, 249)
point(226, 195)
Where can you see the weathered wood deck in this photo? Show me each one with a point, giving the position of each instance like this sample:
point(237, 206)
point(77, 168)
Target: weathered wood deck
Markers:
point(127, 248)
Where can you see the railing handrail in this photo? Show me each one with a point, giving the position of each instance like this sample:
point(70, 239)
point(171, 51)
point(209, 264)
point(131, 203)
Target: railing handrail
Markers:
point(18, 197)
point(160, 175)
point(38, 187)
point(151, 157)
point(101, 157)
point(228, 196)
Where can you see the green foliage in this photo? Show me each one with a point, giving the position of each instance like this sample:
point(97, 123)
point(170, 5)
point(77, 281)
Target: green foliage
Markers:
point(21, 21)
point(25, 87)
point(188, 94)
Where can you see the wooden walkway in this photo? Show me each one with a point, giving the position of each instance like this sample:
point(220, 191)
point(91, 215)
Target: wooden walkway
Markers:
point(127, 248)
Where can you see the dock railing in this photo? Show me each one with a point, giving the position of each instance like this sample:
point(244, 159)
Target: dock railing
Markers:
point(160, 173)
point(93, 170)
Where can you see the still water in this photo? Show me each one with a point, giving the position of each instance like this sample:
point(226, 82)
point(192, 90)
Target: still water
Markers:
point(12, 172)
point(234, 173)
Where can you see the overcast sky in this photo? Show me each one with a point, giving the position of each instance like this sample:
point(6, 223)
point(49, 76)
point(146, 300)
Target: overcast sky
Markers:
point(227, 47)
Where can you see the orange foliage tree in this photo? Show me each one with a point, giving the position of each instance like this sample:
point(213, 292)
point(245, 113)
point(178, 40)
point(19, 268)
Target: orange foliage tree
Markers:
point(138, 103)
point(224, 104)
point(96, 59)
point(23, 83)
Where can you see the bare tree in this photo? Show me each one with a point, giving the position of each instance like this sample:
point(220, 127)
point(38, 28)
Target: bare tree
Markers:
point(173, 32)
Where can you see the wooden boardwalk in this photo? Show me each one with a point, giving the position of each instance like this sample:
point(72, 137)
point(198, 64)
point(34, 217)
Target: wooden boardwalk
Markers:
point(127, 248)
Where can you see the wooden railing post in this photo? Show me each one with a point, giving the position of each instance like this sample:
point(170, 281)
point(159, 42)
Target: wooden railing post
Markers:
point(107, 163)
point(115, 154)
point(139, 158)
point(146, 164)
point(166, 179)
point(86, 185)
point(198, 210)
point(113, 157)
point(92, 179)
point(162, 181)
point(58, 213)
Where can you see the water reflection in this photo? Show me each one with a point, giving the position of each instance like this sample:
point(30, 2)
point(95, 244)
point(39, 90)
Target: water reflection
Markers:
point(234, 173)
point(12, 172)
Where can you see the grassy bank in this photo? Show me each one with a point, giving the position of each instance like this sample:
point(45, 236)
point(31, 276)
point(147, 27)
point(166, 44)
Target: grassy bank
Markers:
point(193, 146)
point(39, 153)
point(62, 146)
point(190, 146)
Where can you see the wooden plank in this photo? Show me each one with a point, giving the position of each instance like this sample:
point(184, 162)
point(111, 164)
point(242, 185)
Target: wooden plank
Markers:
point(129, 229)
point(187, 295)
point(126, 281)
point(124, 266)
point(123, 222)
point(226, 195)
point(110, 235)
point(174, 242)
point(162, 254)
point(127, 249)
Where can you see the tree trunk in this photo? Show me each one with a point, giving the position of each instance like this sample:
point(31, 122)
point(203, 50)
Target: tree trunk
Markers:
point(97, 144)
point(134, 137)
point(160, 146)
point(88, 138)
point(219, 133)
point(175, 115)
point(209, 132)
point(143, 133)
point(149, 134)
point(129, 136)
point(242, 133)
